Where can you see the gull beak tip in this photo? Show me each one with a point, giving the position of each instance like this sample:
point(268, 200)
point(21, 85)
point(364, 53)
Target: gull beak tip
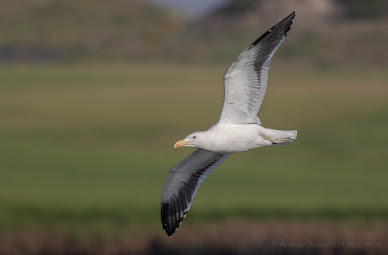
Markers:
point(179, 144)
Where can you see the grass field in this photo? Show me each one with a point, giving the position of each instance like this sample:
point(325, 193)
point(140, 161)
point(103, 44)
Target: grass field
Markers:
point(91, 145)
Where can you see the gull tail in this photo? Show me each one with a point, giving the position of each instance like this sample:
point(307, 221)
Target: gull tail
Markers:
point(289, 136)
point(280, 137)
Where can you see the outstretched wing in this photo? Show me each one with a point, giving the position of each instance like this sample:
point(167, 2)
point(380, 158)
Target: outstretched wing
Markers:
point(182, 184)
point(246, 79)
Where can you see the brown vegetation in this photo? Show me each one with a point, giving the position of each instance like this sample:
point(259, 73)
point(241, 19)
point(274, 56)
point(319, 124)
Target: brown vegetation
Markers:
point(231, 237)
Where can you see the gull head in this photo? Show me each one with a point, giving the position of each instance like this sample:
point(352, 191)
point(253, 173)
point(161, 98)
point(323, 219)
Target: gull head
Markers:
point(192, 140)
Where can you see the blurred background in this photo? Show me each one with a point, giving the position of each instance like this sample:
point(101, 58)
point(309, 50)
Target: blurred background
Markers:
point(93, 95)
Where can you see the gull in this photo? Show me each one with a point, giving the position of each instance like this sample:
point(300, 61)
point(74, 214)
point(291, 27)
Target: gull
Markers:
point(238, 129)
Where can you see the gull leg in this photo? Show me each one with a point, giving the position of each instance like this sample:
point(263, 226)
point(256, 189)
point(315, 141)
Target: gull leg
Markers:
point(276, 141)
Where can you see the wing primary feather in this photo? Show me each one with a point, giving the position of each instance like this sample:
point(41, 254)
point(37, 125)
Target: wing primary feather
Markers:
point(164, 215)
point(182, 184)
point(181, 206)
point(173, 215)
point(186, 194)
point(291, 16)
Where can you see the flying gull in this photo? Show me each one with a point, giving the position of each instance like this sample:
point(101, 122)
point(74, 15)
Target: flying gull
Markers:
point(238, 129)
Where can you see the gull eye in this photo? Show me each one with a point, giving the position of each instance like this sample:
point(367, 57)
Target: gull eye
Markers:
point(194, 137)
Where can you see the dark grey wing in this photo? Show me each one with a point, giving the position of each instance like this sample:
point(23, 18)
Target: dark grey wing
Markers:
point(182, 184)
point(246, 79)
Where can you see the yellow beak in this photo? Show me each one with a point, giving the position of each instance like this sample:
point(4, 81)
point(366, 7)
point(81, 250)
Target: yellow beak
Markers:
point(180, 144)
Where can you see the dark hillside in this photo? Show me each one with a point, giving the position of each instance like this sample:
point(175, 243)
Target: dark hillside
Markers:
point(66, 30)
point(327, 34)
point(323, 37)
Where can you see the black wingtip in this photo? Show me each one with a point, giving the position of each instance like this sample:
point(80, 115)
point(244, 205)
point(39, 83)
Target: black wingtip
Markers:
point(289, 18)
point(291, 15)
point(171, 215)
point(285, 23)
point(170, 233)
point(166, 217)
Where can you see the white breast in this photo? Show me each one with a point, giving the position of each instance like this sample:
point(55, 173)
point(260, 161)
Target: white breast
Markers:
point(230, 138)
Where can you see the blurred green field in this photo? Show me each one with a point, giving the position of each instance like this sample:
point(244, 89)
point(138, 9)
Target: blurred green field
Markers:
point(91, 145)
